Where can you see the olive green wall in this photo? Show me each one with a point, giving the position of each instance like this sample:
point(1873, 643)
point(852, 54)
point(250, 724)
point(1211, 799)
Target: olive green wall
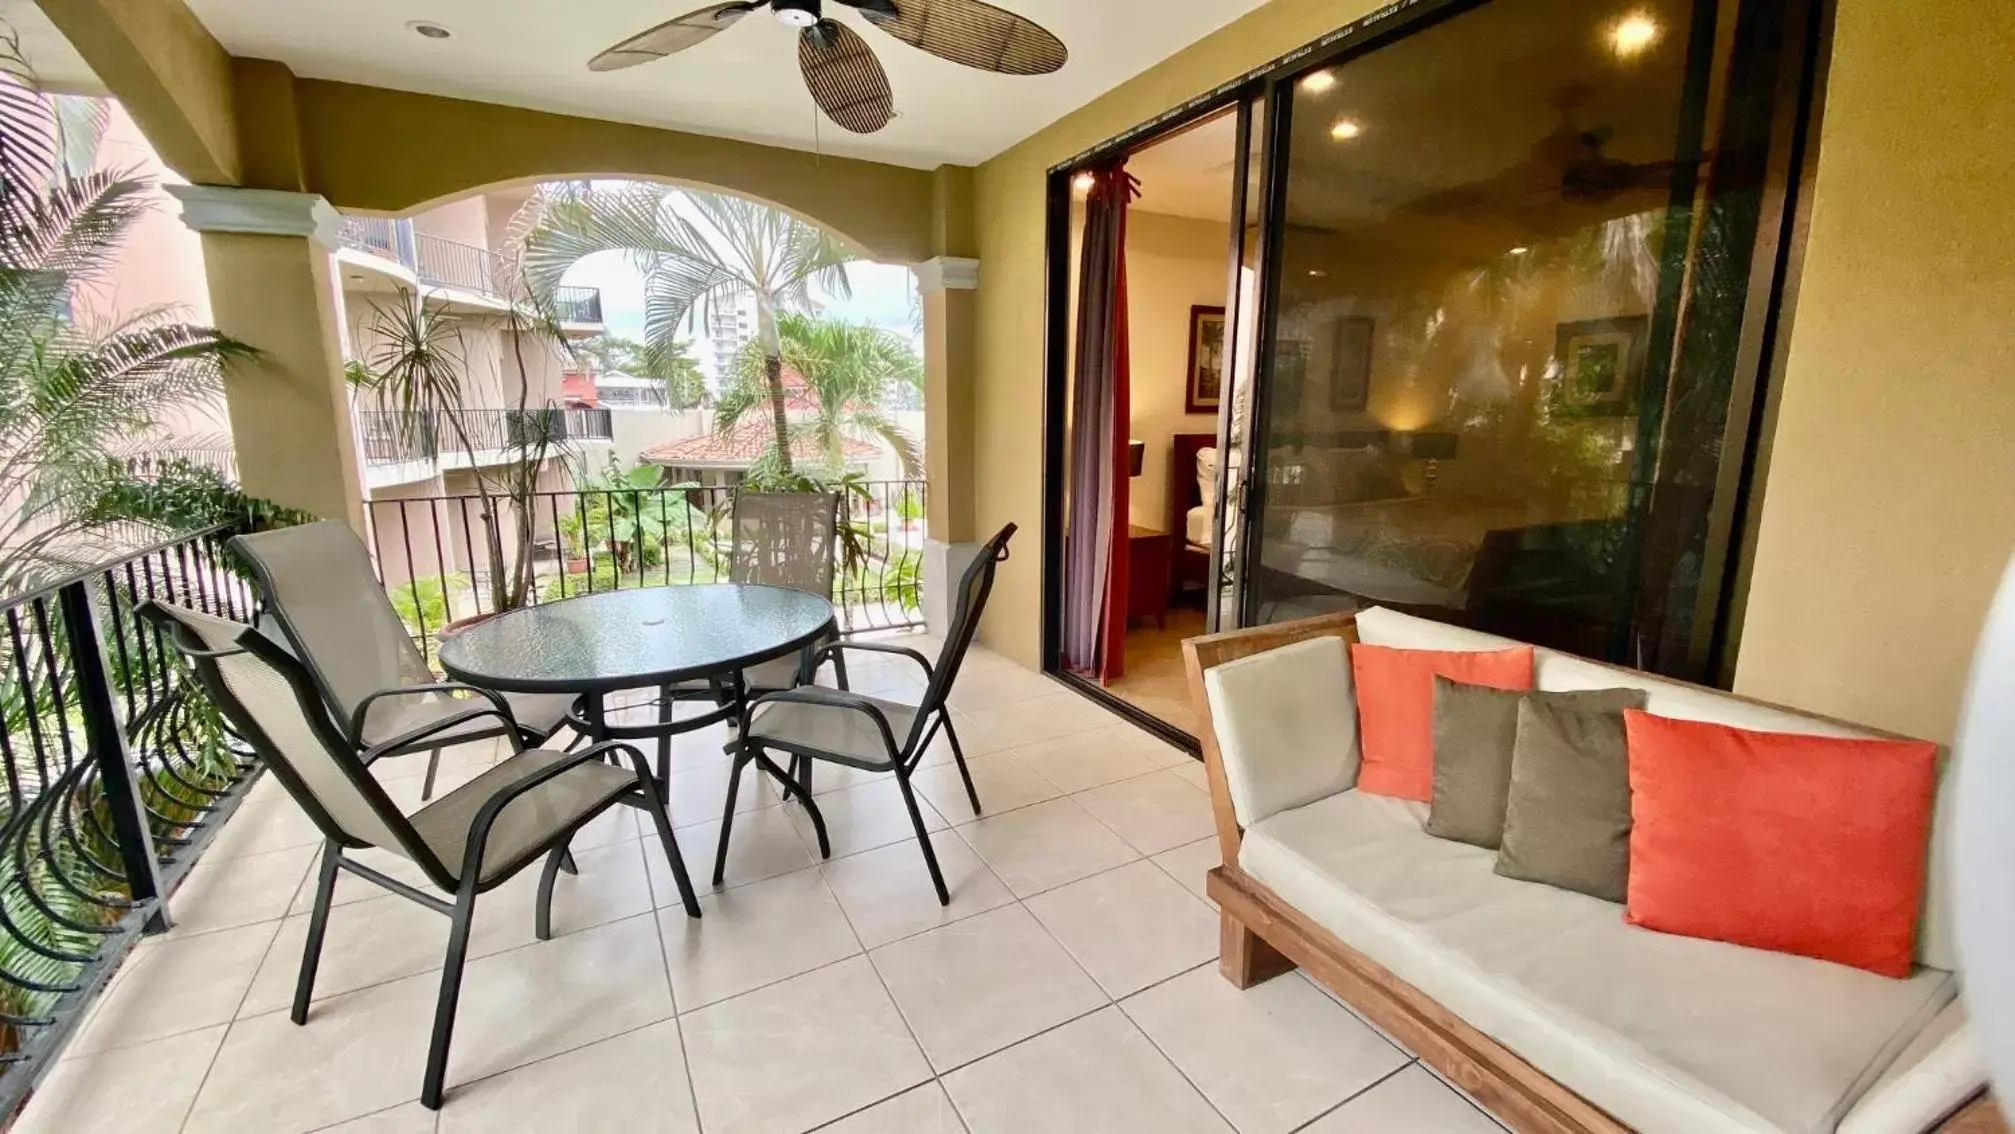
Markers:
point(1889, 511)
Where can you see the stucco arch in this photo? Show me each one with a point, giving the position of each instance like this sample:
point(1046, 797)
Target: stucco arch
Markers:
point(393, 152)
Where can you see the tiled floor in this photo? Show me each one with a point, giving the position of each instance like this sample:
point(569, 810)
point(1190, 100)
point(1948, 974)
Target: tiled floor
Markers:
point(1071, 984)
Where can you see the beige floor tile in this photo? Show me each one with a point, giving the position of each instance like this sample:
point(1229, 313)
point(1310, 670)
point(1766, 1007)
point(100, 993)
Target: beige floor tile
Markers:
point(1129, 927)
point(223, 893)
point(1090, 759)
point(349, 887)
point(177, 986)
point(144, 1089)
point(828, 778)
point(1269, 1058)
point(410, 1118)
point(1098, 1073)
point(699, 793)
point(925, 1110)
point(1028, 722)
point(358, 1054)
point(390, 937)
point(1193, 774)
point(765, 844)
point(553, 996)
point(1409, 1102)
point(800, 1053)
point(1190, 862)
point(1044, 846)
point(1152, 813)
point(887, 892)
point(991, 688)
point(635, 1082)
point(754, 935)
point(1003, 781)
point(268, 820)
point(979, 985)
point(863, 818)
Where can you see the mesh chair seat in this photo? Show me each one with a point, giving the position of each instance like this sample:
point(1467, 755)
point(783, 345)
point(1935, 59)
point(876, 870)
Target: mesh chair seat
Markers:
point(528, 822)
point(780, 673)
point(539, 714)
point(848, 734)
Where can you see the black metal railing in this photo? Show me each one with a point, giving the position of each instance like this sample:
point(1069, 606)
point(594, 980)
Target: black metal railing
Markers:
point(500, 429)
point(434, 552)
point(390, 437)
point(118, 772)
point(436, 261)
point(578, 304)
point(440, 262)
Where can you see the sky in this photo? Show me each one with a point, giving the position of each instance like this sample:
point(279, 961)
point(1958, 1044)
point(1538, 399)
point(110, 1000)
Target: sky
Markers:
point(881, 294)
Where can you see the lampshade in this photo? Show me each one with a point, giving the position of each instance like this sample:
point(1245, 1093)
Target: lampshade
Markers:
point(1136, 457)
point(1429, 446)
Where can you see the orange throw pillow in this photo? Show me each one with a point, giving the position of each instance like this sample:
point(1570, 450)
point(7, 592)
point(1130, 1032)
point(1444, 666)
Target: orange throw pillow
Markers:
point(1798, 844)
point(1395, 709)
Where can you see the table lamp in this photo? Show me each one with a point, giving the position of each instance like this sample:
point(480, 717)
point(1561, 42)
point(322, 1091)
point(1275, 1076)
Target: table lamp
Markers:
point(1433, 448)
point(1136, 457)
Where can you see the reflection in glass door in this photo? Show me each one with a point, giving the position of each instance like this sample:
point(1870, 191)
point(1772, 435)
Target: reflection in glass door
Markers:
point(1506, 310)
point(1235, 417)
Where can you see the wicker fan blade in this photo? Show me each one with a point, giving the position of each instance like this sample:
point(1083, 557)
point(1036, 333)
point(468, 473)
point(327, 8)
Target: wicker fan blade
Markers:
point(973, 33)
point(845, 78)
point(689, 30)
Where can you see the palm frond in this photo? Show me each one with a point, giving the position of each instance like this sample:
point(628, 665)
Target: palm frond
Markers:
point(28, 145)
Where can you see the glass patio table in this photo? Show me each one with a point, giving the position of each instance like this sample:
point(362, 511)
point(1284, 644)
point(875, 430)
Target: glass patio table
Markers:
point(595, 645)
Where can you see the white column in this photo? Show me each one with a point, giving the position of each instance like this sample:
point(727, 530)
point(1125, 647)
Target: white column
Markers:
point(951, 310)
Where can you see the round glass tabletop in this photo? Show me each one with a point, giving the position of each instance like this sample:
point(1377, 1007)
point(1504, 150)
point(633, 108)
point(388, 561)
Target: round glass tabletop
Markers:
point(629, 639)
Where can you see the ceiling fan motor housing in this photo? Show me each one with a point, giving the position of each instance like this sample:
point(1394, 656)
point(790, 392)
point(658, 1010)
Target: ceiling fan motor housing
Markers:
point(797, 13)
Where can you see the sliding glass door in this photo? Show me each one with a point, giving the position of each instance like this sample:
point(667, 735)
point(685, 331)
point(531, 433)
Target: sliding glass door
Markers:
point(1518, 277)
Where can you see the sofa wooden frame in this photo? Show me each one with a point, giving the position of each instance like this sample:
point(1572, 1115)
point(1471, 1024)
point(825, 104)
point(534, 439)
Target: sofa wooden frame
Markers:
point(1262, 936)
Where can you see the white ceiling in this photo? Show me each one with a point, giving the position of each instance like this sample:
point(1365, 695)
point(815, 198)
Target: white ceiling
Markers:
point(1191, 174)
point(56, 64)
point(744, 83)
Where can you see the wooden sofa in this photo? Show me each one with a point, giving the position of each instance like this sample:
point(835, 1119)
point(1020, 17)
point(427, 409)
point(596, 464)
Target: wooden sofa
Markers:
point(1264, 935)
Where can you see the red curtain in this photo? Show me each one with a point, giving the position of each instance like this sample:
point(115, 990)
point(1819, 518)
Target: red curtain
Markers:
point(1095, 560)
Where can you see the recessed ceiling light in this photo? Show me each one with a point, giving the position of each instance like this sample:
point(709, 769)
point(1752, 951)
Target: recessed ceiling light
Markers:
point(1520, 250)
point(1345, 129)
point(1633, 35)
point(357, 278)
point(1318, 273)
point(1319, 82)
point(429, 29)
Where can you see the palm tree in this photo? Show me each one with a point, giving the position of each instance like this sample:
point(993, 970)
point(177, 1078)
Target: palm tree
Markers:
point(72, 396)
point(695, 249)
point(849, 368)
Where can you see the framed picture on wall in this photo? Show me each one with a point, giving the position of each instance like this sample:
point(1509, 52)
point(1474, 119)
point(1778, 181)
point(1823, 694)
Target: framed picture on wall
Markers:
point(1206, 360)
point(1598, 364)
point(1350, 364)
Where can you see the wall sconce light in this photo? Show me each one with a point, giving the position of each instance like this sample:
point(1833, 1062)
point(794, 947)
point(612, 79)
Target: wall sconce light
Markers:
point(1136, 458)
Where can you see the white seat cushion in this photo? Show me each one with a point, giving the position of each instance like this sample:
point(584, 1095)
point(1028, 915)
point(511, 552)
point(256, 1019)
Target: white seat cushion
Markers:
point(1666, 1033)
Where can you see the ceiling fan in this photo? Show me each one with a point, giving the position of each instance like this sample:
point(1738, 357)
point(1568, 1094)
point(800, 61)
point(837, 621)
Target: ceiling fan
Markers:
point(845, 78)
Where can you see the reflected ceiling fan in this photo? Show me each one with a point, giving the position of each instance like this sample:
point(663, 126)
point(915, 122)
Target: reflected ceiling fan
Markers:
point(845, 78)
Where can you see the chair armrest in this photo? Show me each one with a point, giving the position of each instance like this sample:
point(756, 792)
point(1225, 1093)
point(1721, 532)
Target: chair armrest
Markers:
point(497, 703)
point(831, 648)
point(405, 741)
point(831, 699)
point(486, 817)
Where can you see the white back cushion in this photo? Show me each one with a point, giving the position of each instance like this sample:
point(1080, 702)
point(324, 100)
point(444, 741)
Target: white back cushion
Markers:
point(1286, 724)
point(1378, 626)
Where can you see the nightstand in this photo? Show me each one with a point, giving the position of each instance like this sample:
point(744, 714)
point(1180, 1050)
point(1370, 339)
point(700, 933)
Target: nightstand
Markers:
point(1149, 571)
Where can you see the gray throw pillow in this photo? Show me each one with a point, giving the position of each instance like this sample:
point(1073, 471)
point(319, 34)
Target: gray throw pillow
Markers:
point(1475, 732)
point(1567, 816)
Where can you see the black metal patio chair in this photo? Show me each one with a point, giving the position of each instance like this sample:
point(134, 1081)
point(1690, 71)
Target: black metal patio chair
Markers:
point(869, 733)
point(470, 841)
point(317, 585)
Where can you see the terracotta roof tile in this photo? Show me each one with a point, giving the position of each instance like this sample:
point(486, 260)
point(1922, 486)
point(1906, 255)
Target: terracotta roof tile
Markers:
point(743, 445)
